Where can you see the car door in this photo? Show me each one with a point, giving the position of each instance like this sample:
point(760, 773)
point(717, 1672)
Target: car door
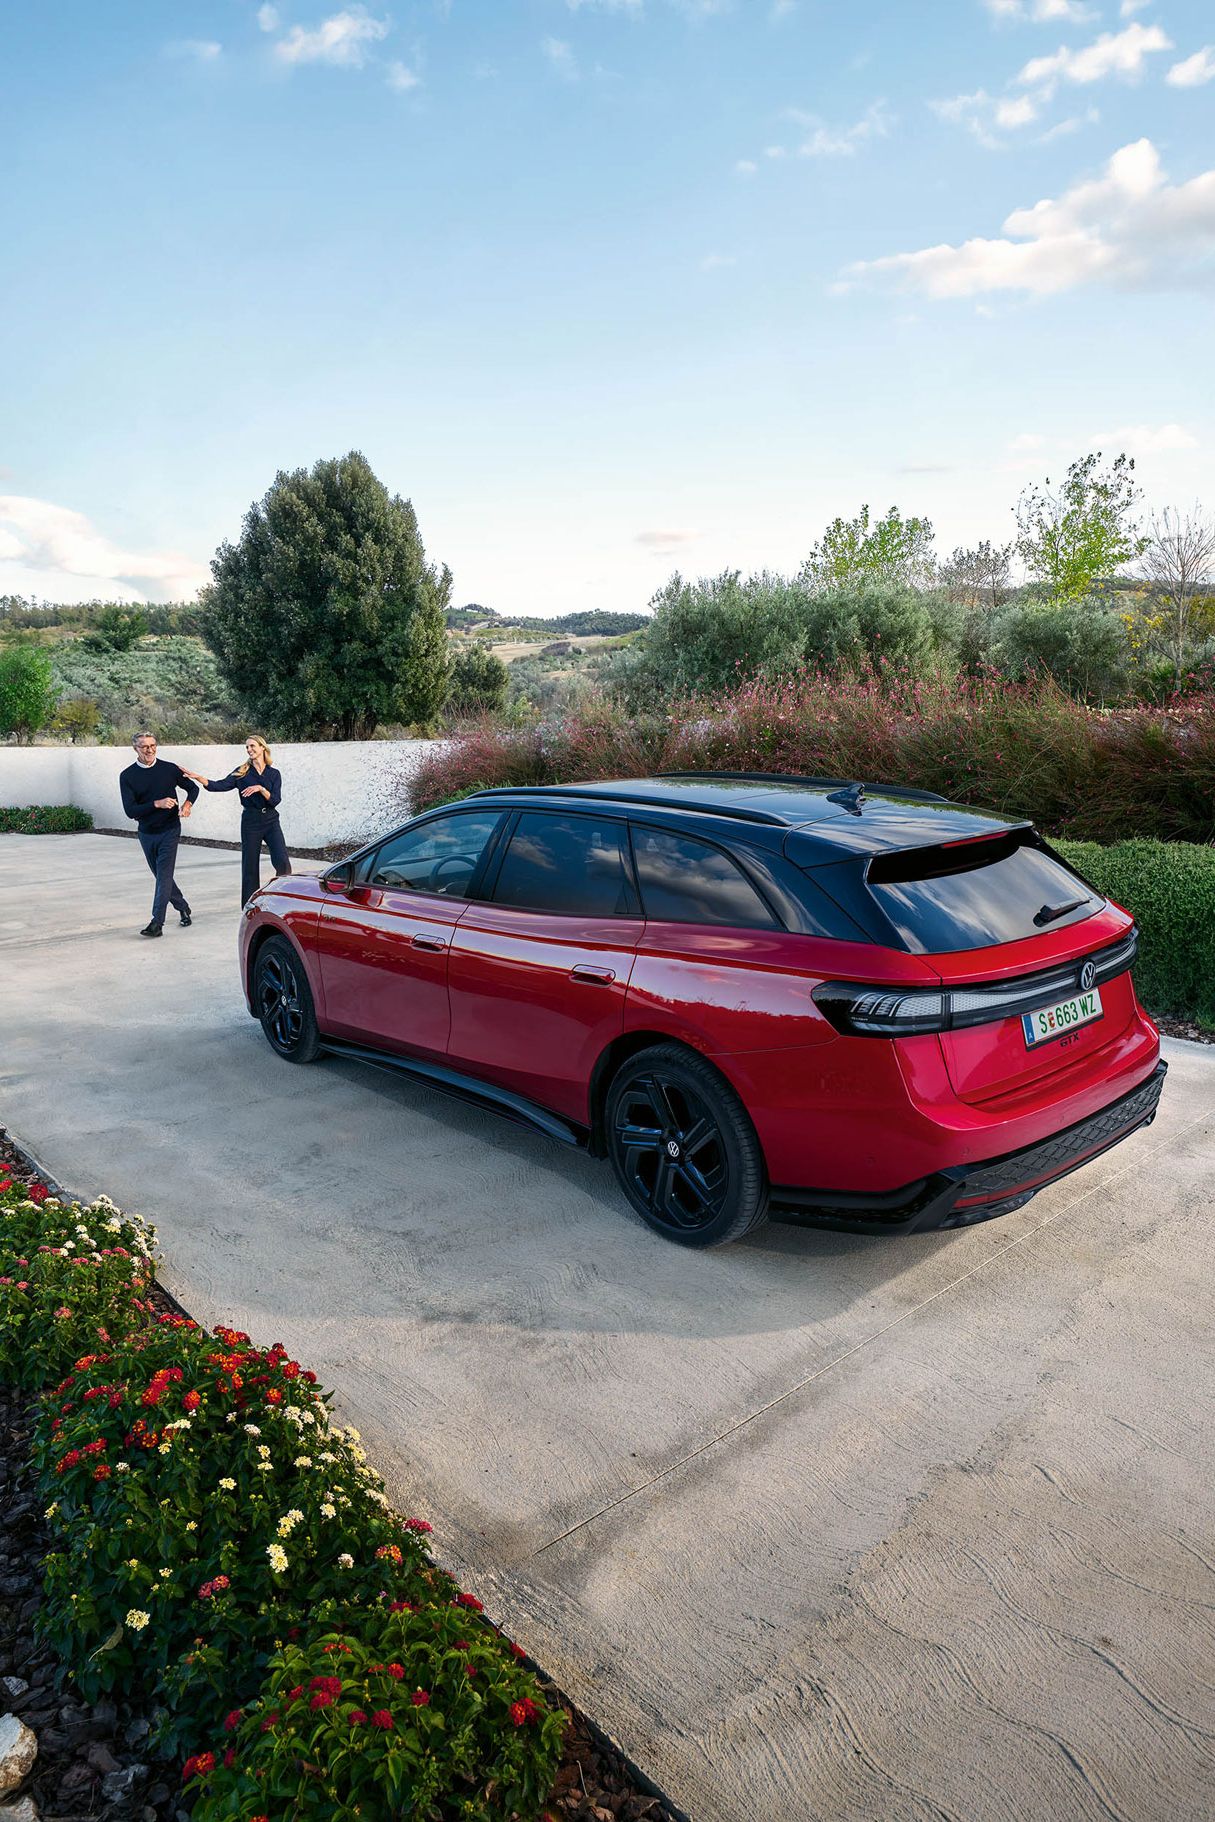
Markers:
point(384, 937)
point(540, 963)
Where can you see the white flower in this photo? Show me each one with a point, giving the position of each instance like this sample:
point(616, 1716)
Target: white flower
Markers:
point(164, 1448)
point(137, 1619)
point(302, 1461)
point(251, 1429)
point(51, 1202)
point(191, 1526)
point(263, 1451)
point(122, 1467)
point(345, 1561)
point(69, 1246)
point(328, 1511)
point(267, 1467)
point(132, 1562)
point(327, 1456)
point(51, 1509)
point(278, 1557)
point(228, 1484)
point(165, 1574)
point(231, 1417)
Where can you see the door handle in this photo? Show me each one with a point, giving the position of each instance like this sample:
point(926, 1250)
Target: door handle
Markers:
point(594, 977)
point(423, 941)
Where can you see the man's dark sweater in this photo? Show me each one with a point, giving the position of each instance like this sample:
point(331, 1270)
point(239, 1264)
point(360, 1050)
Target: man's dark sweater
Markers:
point(141, 785)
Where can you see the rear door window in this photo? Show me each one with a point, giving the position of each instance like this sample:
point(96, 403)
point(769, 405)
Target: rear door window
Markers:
point(978, 894)
point(575, 866)
point(686, 881)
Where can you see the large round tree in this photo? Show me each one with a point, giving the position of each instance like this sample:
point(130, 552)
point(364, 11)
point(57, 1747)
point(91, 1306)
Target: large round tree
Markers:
point(326, 618)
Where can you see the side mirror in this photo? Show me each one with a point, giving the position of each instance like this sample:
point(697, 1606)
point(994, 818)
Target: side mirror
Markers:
point(338, 878)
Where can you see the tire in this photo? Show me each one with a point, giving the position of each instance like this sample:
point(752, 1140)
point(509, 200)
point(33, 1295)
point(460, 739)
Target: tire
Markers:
point(282, 1000)
point(712, 1188)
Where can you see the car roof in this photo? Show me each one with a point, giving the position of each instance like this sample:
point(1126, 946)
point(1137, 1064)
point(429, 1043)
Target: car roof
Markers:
point(813, 819)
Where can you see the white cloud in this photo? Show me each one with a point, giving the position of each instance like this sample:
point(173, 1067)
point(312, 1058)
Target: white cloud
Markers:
point(1112, 54)
point(607, 6)
point(1072, 124)
point(268, 18)
point(200, 50)
point(1129, 228)
point(561, 58)
point(73, 560)
point(342, 39)
point(824, 141)
point(713, 262)
point(746, 167)
point(987, 115)
point(663, 542)
point(1145, 439)
point(1130, 7)
point(781, 9)
point(1193, 71)
point(402, 78)
point(1041, 12)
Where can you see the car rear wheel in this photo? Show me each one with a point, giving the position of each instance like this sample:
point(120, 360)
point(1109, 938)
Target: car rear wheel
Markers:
point(683, 1148)
point(282, 1001)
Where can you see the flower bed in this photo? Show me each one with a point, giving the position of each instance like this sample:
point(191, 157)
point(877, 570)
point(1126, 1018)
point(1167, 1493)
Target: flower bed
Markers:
point(222, 1550)
point(45, 819)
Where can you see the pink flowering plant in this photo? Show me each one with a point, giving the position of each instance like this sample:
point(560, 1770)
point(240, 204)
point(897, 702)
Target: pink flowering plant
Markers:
point(411, 1712)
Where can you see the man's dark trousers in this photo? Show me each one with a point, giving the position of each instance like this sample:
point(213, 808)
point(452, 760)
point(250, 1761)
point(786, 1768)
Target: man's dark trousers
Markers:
point(160, 852)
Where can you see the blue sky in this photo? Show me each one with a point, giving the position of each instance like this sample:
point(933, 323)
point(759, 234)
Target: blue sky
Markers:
point(605, 286)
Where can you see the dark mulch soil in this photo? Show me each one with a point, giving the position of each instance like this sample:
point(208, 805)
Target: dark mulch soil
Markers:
point(1183, 1028)
point(95, 1761)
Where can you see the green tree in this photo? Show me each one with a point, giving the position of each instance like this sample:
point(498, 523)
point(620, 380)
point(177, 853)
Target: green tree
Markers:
point(27, 694)
point(1071, 535)
point(79, 717)
point(893, 549)
point(326, 618)
point(477, 682)
point(116, 629)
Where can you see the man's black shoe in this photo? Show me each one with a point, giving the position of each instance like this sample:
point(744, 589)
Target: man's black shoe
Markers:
point(152, 930)
point(186, 920)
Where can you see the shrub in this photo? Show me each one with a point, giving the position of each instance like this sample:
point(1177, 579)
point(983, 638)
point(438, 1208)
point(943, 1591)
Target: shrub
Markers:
point(210, 1527)
point(477, 682)
point(45, 819)
point(171, 684)
point(1027, 750)
point(27, 692)
point(1081, 645)
point(1169, 889)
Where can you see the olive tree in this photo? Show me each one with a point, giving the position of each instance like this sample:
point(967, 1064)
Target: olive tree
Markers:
point(325, 616)
point(27, 693)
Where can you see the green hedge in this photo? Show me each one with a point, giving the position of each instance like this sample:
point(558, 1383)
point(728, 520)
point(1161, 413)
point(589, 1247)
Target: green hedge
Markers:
point(1169, 888)
point(45, 819)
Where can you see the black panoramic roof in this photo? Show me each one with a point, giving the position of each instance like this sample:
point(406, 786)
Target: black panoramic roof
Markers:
point(823, 818)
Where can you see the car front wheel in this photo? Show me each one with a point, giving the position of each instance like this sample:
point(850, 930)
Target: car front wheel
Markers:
point(683, 1148)
point(282, 1001)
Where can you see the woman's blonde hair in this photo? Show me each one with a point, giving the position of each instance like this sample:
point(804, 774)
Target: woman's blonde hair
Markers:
point(242, 769)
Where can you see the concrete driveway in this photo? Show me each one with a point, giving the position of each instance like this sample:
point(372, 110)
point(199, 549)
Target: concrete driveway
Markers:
point(818, 1526)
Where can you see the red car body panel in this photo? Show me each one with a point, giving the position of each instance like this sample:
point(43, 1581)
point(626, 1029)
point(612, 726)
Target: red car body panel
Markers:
point(383, 957)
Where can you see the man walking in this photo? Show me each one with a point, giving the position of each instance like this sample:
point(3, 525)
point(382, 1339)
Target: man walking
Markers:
point(149, 797)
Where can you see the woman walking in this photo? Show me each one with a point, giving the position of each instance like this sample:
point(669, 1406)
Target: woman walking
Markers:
point(261, 787)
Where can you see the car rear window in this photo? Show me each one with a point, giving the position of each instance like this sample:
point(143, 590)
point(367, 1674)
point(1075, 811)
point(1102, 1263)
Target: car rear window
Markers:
point(576, 866)
point(978, 894)
point(685, 881)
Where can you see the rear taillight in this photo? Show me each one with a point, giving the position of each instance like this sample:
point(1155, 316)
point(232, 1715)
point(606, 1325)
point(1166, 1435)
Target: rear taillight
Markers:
point(862, 1010)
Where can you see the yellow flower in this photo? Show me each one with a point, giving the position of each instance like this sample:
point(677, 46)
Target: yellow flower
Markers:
point(165, 1574)
point(137, 1619)
point(228, 1484)
point(278, 1557)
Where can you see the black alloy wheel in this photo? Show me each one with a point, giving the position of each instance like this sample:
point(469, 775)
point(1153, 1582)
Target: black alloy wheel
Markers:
point(683, 1149)
point(282, 1000)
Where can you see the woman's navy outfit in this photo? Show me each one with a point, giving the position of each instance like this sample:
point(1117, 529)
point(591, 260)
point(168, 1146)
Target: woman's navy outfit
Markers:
point(258, 823)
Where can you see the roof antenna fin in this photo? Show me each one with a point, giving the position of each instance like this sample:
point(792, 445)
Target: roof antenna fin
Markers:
point(852, 797)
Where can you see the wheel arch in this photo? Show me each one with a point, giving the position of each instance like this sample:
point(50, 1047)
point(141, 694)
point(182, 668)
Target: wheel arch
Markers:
point(617, 1052)
point(257, 942)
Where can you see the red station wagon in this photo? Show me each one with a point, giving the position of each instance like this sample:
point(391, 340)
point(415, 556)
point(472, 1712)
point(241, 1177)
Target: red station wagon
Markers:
point(862, 1007)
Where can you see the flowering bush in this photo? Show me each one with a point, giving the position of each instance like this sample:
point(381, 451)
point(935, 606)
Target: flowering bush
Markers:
point(405, 1712)
point(1027, 749)
point(210, 1524)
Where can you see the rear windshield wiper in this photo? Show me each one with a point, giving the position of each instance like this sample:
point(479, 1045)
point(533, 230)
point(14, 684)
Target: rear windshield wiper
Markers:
point(1049, 913)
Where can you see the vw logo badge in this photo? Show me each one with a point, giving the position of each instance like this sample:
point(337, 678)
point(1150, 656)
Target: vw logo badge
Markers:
point(1088, 975)
point(672, 1148)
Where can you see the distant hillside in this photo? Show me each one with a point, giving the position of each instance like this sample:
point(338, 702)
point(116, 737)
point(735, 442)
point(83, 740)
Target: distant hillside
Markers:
point(593, 621)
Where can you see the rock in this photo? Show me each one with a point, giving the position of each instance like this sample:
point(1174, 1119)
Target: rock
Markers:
point(18, 1750)
point(13, 1686)
point(118, 1786)
point(136, 1734)
point(74, 1782)
point(23, 1810)
point(102, 1760)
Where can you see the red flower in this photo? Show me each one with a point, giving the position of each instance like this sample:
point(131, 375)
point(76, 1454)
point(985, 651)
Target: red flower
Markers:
point(274, 1396)
point(296, 1693)
point(230, 1758)
point(269, 1721)
point(197, 1766)
point(357, 1717)
point(392, 1551)
point(290, 1368)
point(517, 1650)
point(233, 1720)
point(469, 1600)
point(38, 1192)
point(322, 1699)
point(332, 1685)
point(417, 1524)
point(310, 1377)
point(420, 1698)
point(397, 1671)
point(103, 1472)
point(401, 1607)
point(382, 1719)
point(191, 1401)
point(523, 1712)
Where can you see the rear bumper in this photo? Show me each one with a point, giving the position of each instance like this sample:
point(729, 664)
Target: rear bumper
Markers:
point(966, 1193)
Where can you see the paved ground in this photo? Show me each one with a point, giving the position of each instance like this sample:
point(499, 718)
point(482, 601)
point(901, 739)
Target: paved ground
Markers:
point(819, 1526)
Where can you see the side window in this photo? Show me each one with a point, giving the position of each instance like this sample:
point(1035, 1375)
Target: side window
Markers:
point(577, 866)
point(439, 856)
point(685, 881)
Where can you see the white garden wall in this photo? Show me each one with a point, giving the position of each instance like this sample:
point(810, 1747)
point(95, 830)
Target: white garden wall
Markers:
point(341, 790)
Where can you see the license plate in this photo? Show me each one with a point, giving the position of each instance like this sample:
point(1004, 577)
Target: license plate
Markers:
point(1056, 1021)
